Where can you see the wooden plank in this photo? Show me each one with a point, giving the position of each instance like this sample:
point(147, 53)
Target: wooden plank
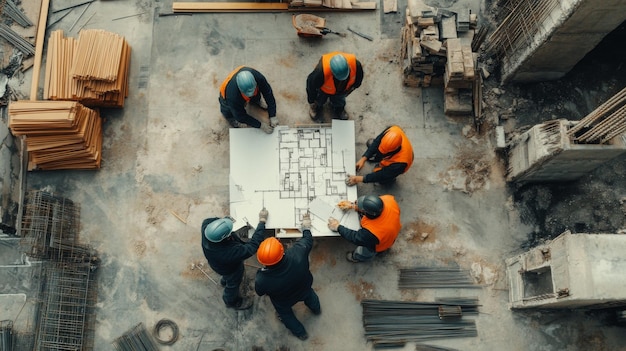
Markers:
point(228, 6)
point(390, 6)
point(41, 32)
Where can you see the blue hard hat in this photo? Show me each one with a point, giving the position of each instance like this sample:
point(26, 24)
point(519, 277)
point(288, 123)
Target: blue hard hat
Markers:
point(370, 205)
point(339, 67)
point(218, 230)
point(246, 83)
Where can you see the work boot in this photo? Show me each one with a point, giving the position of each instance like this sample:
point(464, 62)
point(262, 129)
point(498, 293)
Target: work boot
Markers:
point(342, 115)
point(223, 282)
point(267, 128)
point(241, 304)
point(314, 111)
point(303, 336)
point(350, 257)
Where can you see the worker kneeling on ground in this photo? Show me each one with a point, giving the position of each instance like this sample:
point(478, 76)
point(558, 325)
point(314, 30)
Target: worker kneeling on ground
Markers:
point(380, 225)
point(286, 278)
point(393, 152)
point(247, 85)
point(225, 252)
point(336, 76)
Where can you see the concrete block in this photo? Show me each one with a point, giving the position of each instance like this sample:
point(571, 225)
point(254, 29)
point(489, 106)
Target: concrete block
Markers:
point(447, 28)
point(500, 138)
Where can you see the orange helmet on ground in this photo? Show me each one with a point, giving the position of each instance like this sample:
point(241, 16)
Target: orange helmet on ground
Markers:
point(270, 252)
point(390, 142)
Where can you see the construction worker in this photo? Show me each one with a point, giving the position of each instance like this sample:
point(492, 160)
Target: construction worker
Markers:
point(286, 278)
point(336, 75)
point(380, 225)
point(394, 154)
point(225, 252)
point(242, 86)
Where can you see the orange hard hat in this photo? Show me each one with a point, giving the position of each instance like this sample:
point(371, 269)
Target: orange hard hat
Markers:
point(390, 142)
point(270, 252)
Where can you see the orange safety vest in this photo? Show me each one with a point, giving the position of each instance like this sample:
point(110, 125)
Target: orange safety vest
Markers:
point(227, 80)
point(405, 155)
point(329, 80)
point(386, 226)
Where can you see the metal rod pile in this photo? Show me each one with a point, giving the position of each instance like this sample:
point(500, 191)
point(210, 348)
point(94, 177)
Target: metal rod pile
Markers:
point(604, 123)
point(11, 10)
point(389, 322)
point(16, 40)
point(429, 277)
point(424, 347)
point(136, 339)
point(6, 335)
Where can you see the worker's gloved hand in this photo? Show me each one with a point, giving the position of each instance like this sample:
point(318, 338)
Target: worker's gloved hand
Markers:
point(263, 215)
point(273, 121)
point(353, 180)
point(345, 205)
point(306, 222)
point(267, 128)
point(333, 224)
point(360, 163)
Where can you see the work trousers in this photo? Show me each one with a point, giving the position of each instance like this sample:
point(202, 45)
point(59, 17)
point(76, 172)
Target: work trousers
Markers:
point(230, 116)
point(231, 284)
point(337, 102)
point(286, 315)
point(362, 254)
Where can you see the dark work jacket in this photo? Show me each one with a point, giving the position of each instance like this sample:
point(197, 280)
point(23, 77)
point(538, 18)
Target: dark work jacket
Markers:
point(290, 280)
point(361, 237)
point(236, 102)
point(226, 256)
point(386, 173)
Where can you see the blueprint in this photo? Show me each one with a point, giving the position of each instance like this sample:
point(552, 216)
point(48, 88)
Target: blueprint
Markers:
point(291, 172)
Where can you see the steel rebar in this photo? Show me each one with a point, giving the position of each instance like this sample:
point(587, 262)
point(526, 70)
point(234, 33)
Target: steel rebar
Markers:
point(429, 277)
point(136, 339)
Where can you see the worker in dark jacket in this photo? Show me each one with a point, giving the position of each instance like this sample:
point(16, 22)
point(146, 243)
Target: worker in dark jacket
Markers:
point(380, 225)
point(247, 85)
point(394, 154)
point(336, 75)
point(225, 252)
point(286, 278)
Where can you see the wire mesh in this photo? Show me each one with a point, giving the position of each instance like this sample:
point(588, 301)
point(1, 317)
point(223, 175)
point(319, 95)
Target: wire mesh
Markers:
point(136, 339)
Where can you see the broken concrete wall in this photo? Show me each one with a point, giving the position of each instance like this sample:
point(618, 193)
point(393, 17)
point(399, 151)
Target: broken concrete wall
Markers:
point(10, 183)
point(564, 37)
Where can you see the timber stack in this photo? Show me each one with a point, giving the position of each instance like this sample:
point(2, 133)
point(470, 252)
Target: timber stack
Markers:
point(436, 50)
point(58, 134)
point(92, 69)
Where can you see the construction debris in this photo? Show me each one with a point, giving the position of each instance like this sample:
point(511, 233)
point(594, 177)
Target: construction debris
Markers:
point(92, 69)
point(604, 123)
point(308, 5)
point(59, 134)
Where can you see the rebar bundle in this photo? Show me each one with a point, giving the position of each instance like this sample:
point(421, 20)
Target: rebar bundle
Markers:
point(50, 226)
point(136, 339)
point(16, 40)
point(66, 316)
point(11, 10)
point(429, 277)
point(388, 322)
point(524, 20)
point(6, 335)
point(604, 123)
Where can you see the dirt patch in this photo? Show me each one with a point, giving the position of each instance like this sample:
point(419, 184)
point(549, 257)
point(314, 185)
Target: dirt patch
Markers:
point(139, 247)
point(420, 232)
point(470, 172)
point(287, 62)
point(591, 341)
point(322, 257)
point(289, 95)
point(363, 290)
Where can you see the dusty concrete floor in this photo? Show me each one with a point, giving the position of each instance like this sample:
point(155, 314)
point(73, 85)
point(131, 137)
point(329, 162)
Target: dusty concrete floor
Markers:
point(167, 151)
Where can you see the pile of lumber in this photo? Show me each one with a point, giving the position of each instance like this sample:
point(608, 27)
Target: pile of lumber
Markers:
point(58, 134)
point(437, 50)
point(92, 69)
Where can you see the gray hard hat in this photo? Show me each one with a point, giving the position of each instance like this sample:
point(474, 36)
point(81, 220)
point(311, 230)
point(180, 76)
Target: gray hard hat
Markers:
point(339, 67)
point(218, 230)
point(246, 83)
point(370, 205)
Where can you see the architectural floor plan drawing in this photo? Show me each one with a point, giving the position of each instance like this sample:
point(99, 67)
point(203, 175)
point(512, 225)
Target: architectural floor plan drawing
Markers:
point(290, 172)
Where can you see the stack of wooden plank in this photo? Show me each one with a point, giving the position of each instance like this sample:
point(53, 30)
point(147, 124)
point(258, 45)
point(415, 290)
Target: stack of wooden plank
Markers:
point(425, 36)
point(58, 134)
point(459, 77)
point(92, 69)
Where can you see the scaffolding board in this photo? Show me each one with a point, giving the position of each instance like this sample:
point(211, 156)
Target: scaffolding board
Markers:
point(290, 172)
